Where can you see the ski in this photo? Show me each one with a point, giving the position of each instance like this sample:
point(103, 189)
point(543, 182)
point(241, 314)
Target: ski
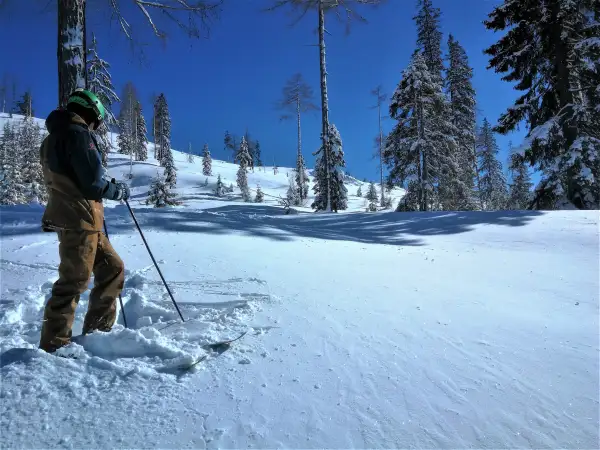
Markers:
point(215, 347)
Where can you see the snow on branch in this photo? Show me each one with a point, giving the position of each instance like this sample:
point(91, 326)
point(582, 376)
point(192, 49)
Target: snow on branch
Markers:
point(197, 10)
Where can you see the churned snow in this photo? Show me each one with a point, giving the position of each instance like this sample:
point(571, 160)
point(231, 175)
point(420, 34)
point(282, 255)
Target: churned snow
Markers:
point(380, 330)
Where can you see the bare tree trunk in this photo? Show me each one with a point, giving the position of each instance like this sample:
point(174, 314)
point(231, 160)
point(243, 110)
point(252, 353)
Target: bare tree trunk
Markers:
point(424, 173)
point(71, 48)
point(324, 103)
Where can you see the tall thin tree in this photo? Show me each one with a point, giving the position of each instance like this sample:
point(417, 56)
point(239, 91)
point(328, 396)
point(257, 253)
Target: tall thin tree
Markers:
point(379, 98)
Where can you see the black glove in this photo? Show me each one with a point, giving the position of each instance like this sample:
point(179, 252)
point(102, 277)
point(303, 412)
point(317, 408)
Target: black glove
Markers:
point(121, 191)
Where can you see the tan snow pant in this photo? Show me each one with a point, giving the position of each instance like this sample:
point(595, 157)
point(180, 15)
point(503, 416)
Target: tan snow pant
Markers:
point(81, 254)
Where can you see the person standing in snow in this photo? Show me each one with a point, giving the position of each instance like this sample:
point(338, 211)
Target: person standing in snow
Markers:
point(76, 183)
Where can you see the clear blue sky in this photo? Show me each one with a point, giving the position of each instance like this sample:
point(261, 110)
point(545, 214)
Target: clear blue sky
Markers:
point(231, 81)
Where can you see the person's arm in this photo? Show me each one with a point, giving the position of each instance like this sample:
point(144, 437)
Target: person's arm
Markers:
point(87, 166)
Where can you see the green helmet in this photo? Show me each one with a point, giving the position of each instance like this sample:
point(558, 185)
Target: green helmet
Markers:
point(88, 100)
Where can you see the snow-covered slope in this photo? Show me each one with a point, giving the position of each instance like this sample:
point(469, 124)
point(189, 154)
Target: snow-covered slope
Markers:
point(384, 330)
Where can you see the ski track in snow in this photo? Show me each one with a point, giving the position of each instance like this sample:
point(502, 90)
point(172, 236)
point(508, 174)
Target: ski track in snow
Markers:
point(440, 330)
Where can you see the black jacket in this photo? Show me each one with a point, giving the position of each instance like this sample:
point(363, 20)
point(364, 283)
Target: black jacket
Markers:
point(73, 152)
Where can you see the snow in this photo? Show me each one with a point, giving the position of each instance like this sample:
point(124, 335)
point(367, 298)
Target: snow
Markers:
point(379, 330)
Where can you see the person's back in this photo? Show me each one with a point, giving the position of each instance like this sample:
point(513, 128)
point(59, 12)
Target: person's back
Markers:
point(76, 183)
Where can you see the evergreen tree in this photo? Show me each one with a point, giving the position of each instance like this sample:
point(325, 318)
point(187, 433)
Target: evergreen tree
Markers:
point(162, 129)
point(244, 158)
point(170, 170)
point(429, 38)
point(29, 142)
point(520, 189)
point(220, 187)
point(551, 49)
point(359, 191)
point(141, 138)
point(462, 104)
point(420, 148)
point(12, 188)
point(260, 197)
point(100, 83)
point(292, 196)
point(124, 140)
point(334, 174)
point(206, 161)
point(492, 188)
point(24, 106)
point(160, 194)
point(301, 178)
point(259, 162)
point(190, 155)
point(372, 197)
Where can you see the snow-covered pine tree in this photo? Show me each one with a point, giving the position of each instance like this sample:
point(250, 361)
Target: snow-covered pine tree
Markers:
point(492, 188)
point(190, 155)
point(29, 139)
point(291, 195)
point(160, 194)
point(141, 135)
point(429, 38)
point(206, 161)
point(124, 140)
point(298, 98)
point(12, 188)
point(100, 83)
point(334, 174)
point(24, 106)
point(258, 162)
point(419, 149)
point(372, 197)
point(206, 182)
point(243, 158)
point(220, 187)
point(551, 49)
point(170, 169)
point(359, 191)
point(462, 104)
point(260, 197)
point(230, 188)
point(520, 194)
point(163, 128)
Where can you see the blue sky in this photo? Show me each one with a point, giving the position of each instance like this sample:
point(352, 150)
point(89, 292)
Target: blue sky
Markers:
point(231, 81)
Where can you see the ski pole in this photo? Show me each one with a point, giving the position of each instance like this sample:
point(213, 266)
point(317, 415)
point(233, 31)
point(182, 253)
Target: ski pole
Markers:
point(154, 261)
point(120, 298)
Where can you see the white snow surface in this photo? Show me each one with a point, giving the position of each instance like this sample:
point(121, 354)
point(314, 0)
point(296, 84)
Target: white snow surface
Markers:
point(365, 330)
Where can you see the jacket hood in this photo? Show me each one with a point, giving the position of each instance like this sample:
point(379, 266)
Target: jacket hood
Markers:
point(60, 119)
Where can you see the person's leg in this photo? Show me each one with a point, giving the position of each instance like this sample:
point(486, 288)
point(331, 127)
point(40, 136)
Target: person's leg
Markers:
point(109, 276)
point(77, 250)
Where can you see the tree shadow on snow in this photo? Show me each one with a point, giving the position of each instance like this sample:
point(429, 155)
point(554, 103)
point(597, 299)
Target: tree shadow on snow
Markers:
point(270, 222)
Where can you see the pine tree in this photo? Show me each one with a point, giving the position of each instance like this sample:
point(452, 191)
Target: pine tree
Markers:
point(190, 155)
point(419, 150)
point(301, 178)
point(220, 187)
point(162, 129)
point(24, 106)
point(334, 174)
point(141, 138)
point(372, 197)
point(359, 191)
point(551, 49)
point(160, 194)
point(170, 170)
point(244, 158)
point(29, 142)
point(520, 195)
point(291, 195)
point(259, 162)
point(124, 140)
point(492, 188)
point(260, 197)
point(100, 83)
point(206, 161)
point(462, 105)
point(429, 38)
point(12, 188)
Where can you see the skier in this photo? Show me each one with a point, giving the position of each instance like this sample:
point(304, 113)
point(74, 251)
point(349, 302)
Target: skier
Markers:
point(76, 183)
